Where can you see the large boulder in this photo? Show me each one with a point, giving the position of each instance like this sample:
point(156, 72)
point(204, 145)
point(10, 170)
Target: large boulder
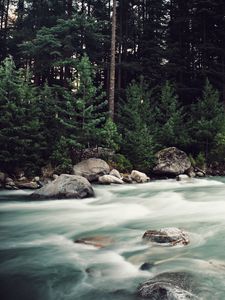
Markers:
point(139, 177)
point(91, 169)
point(171, 236)
point(169, 286)
point(108, 179)
point(171, 161)
point(65, 186)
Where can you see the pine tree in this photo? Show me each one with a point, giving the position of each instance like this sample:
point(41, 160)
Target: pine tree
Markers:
point(20, 136)
point(170, 125)
point(207, 119)
point(138, 143)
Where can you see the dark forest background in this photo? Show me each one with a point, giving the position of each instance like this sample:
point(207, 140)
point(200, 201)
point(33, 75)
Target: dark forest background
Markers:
point(55, 76)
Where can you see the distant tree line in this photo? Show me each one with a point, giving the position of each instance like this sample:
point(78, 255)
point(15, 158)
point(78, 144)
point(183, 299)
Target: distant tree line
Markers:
point(55, 80)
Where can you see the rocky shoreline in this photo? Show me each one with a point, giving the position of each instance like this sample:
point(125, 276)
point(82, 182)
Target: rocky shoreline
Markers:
point(170, 163)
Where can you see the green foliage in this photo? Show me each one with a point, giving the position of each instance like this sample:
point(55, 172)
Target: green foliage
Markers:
point(218, 151)
point(192, 160)
point(20, 136)
point(90, 105)
point(207, 119)
point(169, 119)
point(110, 136)
point(138, 144)
point(200, 160)
point(61, 157)
point(121, 163)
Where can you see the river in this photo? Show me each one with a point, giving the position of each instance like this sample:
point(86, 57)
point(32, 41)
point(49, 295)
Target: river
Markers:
point(40, 261)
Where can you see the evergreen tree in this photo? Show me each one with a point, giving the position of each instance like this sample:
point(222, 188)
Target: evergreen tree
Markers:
point(90, 103)
point(138, 143)
point(170, 125)
point(20, 136)
point(207, 119)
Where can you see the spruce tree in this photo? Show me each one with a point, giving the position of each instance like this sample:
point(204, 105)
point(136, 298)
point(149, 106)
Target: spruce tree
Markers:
point(138, 143)
point(20, 136)
point(170, 125)
point(207, 119)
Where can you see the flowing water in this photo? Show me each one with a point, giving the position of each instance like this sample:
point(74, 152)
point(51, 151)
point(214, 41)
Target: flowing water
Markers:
point(39, 259)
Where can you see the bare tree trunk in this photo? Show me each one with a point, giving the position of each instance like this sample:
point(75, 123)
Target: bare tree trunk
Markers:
point(120, 45)
point(112, 65)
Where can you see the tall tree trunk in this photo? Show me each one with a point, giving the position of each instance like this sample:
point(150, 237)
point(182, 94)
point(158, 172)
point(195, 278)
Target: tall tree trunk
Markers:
point(112, 64)
point(120, 45)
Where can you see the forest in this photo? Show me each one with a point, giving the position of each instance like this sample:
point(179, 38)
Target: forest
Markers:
point(132, 76)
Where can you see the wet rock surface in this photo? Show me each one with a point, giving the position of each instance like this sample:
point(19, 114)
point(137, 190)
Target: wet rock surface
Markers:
point(96, 241)
point(169, 286)
point(108, 179)
point(171, 161)
point(65, 186)
point(171, 236)
point(139, 177)
point(91, 169)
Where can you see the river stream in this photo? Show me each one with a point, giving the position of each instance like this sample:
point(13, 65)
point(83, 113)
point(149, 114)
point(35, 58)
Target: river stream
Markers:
point(40, 261)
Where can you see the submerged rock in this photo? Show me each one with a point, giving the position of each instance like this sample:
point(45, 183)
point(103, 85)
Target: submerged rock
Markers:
point(171, 236)
point(169, 286)
point(91, 169)
point(108, 179)
point(146, 266)
point(96, 241)
point(65, 186)
point(171, 161)
point(139, 177)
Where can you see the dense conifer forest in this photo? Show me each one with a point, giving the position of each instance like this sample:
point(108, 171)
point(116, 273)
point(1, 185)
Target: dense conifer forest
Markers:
point(133, 76)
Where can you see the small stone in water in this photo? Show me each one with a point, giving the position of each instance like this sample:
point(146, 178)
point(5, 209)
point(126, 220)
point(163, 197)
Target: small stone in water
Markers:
point(146, 266)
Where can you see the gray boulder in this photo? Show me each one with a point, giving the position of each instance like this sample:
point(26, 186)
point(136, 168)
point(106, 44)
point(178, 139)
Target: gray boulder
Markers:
point(191, 172)
point(91, 169)
point(10, 184)
point(65, 186)
point(170, 236)
point(32, 185)
point(115, 173)
point(171, 161)
point(139, 177)
point(169, 286)
point(108, 179)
